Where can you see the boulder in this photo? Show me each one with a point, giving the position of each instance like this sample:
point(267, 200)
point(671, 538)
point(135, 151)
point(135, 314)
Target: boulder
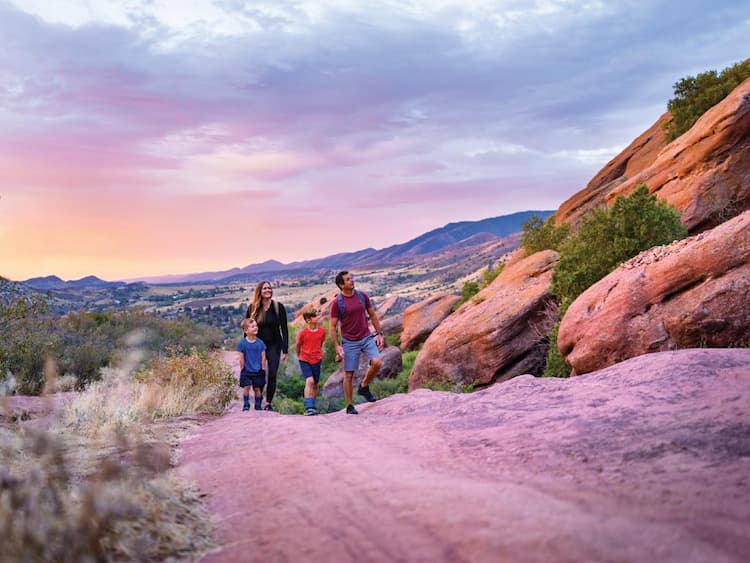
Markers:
point(422, 318)
point(391, 367)
point(691, 293)
point(393, 324)
point(498, 334)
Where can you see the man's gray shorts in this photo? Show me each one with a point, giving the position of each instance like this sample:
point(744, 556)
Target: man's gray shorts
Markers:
point(352, 349)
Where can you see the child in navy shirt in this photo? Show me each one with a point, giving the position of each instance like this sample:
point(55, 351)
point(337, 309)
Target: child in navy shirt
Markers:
point(252, 352)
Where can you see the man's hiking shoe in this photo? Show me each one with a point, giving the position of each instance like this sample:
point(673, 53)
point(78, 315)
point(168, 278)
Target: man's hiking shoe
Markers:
point(268, 407)
point(311, 412)
point(366, 393)
point(351, 410)
point(246, 407)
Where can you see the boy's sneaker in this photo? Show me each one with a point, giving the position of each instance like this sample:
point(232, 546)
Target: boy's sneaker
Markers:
point(310, 412)
point(351, 410)
point(257, 407)
point(246, 407)
point(366, 393)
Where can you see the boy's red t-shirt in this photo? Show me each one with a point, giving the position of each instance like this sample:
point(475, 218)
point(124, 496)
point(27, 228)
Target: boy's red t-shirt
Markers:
point(309, 345)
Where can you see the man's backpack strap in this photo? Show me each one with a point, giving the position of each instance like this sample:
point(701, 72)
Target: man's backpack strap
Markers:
point(340, 303)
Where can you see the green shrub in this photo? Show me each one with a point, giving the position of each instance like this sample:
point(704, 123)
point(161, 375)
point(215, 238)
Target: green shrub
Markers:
point(291, 387)
point(541, 235)
point(285, 405)
point(27, 338)
point(605, 239)
point(556, 366)
point(83, 343)
point(608, 237)
point(489, 275)
point(695, 95)
point(393, 339)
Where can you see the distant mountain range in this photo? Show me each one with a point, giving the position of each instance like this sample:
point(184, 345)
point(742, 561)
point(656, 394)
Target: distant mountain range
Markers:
point(464, 234)
point(53, 282)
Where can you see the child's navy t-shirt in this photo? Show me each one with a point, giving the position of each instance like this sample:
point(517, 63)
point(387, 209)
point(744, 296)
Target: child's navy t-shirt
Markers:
point(252, 352)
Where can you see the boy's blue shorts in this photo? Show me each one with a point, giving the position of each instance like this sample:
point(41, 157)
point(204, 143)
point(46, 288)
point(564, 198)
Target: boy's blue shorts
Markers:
point(254, 378)
point(310, 370)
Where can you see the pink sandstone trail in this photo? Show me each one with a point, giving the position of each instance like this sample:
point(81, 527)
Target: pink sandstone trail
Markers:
point(647, 460)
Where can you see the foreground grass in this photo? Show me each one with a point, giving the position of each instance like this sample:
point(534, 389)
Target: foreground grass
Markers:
point(96, 483)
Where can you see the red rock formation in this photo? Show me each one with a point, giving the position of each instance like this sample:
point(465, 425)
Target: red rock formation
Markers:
point(693, 292)
point(420, 319)
point(498, 334)
point(705, 173)
point(637, 156)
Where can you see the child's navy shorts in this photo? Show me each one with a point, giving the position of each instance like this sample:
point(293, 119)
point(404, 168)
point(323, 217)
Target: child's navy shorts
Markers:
point(310, 370)
point(254, 378)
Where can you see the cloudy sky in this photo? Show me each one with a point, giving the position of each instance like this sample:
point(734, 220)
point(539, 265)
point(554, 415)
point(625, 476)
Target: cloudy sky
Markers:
point(145, 137)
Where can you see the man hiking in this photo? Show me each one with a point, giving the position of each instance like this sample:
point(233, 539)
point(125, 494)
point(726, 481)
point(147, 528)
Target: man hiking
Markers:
point(351, 309)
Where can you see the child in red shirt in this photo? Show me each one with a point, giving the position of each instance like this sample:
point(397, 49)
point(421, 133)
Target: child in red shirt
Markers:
point(310, 354)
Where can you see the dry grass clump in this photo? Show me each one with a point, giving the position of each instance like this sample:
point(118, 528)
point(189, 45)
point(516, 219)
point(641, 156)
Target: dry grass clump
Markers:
point(97, 484)
point(126, 509)
point(170, 386)
point(186, 384)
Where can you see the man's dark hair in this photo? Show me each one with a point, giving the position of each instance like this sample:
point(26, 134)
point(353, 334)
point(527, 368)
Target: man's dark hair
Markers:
point(340, 278)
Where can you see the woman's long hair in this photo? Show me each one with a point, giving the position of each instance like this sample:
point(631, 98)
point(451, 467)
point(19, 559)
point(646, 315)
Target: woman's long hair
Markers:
point(256, 304)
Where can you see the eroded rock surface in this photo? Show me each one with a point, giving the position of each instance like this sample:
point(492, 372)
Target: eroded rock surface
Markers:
point(637, 156)
point(498, 334)
point(704, 174)
point(420, 319)
point(648, 460)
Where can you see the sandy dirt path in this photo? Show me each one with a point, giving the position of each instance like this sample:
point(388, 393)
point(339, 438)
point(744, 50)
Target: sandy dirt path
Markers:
point(440, 477)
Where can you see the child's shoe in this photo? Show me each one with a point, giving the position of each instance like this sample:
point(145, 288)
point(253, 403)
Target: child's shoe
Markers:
point(246, 407)
point(311, 411)
point(351, 410)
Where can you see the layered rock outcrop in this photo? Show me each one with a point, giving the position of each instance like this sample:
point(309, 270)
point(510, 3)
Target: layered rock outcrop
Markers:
point(420, 319)
point(637, 156)
point(691, 293)
point(704, 174)
point(498, 334)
